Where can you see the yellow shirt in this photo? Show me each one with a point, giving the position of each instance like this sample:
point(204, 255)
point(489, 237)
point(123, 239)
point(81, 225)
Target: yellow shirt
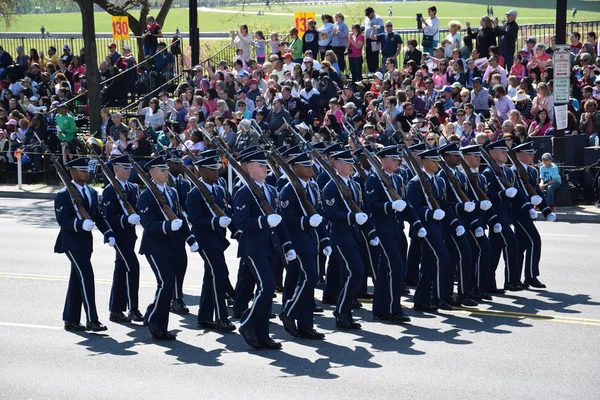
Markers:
point(45, 61)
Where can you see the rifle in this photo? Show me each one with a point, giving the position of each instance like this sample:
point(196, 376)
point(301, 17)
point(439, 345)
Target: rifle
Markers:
point(357, 167)
point(66, 180)
point(473, 180)
point(522, 173)
point(496, 169)
point(167, 211)
point(341, 186)
point(293, 178)
point(258, 194)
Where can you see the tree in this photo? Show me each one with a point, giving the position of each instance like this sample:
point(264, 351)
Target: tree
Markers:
point(136, 25)
point(8, 10)
point(91, 61)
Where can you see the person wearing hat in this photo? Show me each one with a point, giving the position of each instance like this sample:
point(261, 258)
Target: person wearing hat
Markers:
point(152, 31)
point(307, 233)
point(507, 37)
point(256, 253)
point(113, 53)
point(431, 291)
point(480, 98)
point(391, 43)
point(506, 201)
point(388, 217)
point(347, 230)
point(373, 23)
point(212, 228)
point(66, 129)
point(75, 240)
point(530, 242)
point(160, 245)
point(459, 246)
point(376, 86)
point(126, 276)
point(67, 56)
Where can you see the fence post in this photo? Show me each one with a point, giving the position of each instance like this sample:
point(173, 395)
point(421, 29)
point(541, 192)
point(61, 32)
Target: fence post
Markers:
point(19, 171)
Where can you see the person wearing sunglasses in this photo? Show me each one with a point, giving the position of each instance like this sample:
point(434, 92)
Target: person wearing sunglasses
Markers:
point(391, 42)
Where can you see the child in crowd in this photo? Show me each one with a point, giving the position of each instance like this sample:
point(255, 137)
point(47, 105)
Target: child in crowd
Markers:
point(518, 69)
point(513, 85)
point(274, 43)
point(260, 47)
point(549, 178)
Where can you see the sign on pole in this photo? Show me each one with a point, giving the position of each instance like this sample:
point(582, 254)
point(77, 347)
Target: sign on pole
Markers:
point(562, 61)
point(301, 21)
point(120, 28)
point(562, 90)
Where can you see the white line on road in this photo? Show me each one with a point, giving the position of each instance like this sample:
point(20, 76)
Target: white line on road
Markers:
point(561, 234)
point(14, 324)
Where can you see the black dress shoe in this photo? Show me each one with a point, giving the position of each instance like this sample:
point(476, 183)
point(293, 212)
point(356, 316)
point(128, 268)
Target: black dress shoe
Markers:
point(485, 295)
point(118, 317)
point(495, 291)
point(224, 325)
point(467, 301)
point(279, 289)
point(317, 309)
point(424, 307)
point(205, 325)
point(411, 283)
point(535, 282)
point(236, 314)
point(250, 337)
point(356, 304)
point(167, 336)
point(444, 305)
point(513, 287)
point(289, 325)
point(346, 322)
point(74, 326)
point(229, 301)
point(404, 291)
point(329, 300)
point(135, 315)
point(179, 307)
point(311, 334)
point(272, 316)
point(269, 344)
point(95, 326)
point(399, 317)
point(364, 296)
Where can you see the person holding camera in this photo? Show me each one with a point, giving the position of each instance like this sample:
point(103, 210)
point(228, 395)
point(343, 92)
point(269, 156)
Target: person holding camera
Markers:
point(391, 42)
point(431, 30)
point(372, 22)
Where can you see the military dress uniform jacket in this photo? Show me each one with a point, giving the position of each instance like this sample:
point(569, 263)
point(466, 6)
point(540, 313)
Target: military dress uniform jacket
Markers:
point(72, 237)
point(305, 238)
point(205, 224)
point(115, 214)
point(533, 175)
point(487, 217)
point(468, 219)
point(256, 238)
point(506, 208)
point(379, 205)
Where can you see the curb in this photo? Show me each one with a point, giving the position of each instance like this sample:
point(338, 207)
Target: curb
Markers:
point(27, 195)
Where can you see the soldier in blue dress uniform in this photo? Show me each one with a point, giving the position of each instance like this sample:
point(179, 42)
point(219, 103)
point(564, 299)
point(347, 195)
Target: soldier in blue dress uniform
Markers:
point(76, 241)
point(126, 276)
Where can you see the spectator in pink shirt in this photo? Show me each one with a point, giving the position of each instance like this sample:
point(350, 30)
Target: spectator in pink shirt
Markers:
point(502, 104)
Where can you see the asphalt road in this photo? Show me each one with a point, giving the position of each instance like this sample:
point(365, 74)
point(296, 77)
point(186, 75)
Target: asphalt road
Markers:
point(529, 345)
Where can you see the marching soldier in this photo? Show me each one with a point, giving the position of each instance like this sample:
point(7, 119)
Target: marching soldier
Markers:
point(76, 241)
point(304, 231)
point(345, 237)
point(388, 217)
point(126, 277)
point(530, 242)
point(255, 251)
point(160, 245)
point(212, 228)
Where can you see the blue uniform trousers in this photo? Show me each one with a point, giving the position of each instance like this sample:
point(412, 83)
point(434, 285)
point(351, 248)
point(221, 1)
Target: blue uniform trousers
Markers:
point(460, 260)
point(163, 268)
point(506, 243)
point(126, 279)
point(243, 288)
point(257, 316)
point(481, 251)
point(332, 278)
point(390, 275)
point(413, 261)
point(530, 248)
point(300, 304)
point(352, 272)
point(179, 269)
point(435, 269)
point(81, 288)
point(214, 286)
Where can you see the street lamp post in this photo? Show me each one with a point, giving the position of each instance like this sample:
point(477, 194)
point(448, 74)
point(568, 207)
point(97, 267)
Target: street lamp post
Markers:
point(194, 33)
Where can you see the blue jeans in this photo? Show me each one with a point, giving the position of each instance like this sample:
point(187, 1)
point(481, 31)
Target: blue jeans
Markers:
point(150, 49)
point(430, 49)
point(550, 192)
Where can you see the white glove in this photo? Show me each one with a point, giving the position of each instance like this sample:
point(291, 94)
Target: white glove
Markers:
point(327, 251)
point(439, 214)
point(510, 192)
point(533, 214)
point(460, 230)
point(315, 220)
point(111, 241)
point(374, 242)
point(224, 222)
point(273, 220)
point(485, 205)
point(469, 206)
point(133, 219)
point(88, 225)
point(535, 200)
point(497, 228)
point(194, 247)
point(361, 218)
point(551, 217)
point(422, 233)
point(290, 255)
point(176, 224)
point(479, 232)
point(398, 205)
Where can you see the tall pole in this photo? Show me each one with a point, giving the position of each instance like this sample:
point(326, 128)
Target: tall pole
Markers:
point(560, 27)
point(195, 33)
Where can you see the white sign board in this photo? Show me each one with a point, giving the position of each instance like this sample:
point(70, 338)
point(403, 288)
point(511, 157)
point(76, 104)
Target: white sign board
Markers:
point(561, 116)
point(562, 61)
point(562, 90)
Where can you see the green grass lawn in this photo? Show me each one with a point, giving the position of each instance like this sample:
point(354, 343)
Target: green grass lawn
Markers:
point(537, 11)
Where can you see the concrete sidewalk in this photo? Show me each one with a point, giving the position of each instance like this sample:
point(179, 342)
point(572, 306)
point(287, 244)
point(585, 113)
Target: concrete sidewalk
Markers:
point(575, 214)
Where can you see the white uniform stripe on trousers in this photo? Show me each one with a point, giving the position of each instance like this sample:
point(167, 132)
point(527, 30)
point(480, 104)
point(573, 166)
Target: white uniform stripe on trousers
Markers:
point(257, 296)
point(345, 291)
point(462, 284)
point(369, 256)
point(126, 276)
point(160, 289)
point(214, 282)
point(437, 262)
point(531, 253)
point(478, 262)
point(85, 298)
point(505, 254)
point(175, 287)
point(389, 263)
point(301, 289)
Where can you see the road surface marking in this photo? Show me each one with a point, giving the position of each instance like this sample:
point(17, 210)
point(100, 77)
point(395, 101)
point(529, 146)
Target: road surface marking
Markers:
point(14, 324)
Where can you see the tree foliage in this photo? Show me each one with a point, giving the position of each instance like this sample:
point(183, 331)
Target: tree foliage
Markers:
point(8, 10)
